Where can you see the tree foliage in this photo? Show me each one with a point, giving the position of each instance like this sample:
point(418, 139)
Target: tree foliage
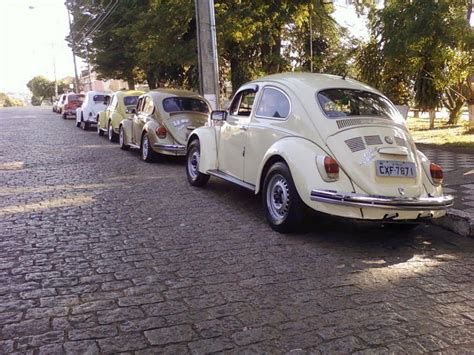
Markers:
point(41, 88)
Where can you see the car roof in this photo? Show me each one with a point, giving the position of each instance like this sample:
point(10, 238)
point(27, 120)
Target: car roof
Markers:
point(313, 82)
point(122, 93)
point(162, 93)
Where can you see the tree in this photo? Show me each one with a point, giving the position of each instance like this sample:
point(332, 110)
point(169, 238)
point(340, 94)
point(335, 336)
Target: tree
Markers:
point(41, 88)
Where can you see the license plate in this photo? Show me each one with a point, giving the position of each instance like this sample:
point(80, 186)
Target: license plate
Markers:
point(395, 168)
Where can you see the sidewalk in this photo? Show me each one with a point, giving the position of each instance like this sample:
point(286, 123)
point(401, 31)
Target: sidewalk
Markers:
point(458, 166)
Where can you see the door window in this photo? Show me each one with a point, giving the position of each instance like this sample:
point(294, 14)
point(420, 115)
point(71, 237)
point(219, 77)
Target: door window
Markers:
point(148, 106)
point(273, 104)
point(243, 103)
point(114, 102)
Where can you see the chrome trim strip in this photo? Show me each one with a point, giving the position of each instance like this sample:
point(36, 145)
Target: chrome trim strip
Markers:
point(231, 179)
point(397, 203)
point(170, 147)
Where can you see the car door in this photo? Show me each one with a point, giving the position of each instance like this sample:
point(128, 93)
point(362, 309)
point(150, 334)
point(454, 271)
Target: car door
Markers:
point(143, 117)
point(233, 133)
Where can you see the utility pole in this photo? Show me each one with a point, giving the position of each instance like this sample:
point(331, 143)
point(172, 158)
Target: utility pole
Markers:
point(207, 52)
point(73, 42)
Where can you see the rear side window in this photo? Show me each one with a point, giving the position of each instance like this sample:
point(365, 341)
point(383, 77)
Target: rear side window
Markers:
point(130, 100)
point(176, 104)
point(273, 104)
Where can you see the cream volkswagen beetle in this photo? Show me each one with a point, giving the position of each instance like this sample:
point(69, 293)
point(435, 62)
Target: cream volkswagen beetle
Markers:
point(162, 122)
point(327, 142)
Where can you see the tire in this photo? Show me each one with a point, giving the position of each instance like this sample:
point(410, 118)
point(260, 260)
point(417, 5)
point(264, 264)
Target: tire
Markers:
point(147, 154)
point(193, 156)
point(122, 144)
point(110, 133)
point(85, 125)
point(282, 204)
point(78, 124)
point(64, 116)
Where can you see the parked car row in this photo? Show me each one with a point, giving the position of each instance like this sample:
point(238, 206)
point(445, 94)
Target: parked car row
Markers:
point(301, 141)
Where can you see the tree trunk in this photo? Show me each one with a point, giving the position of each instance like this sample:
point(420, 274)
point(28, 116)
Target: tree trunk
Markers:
point(455, 112)
point(416, 113)
point(131, 84)
point(432, 113)
point(471, 117)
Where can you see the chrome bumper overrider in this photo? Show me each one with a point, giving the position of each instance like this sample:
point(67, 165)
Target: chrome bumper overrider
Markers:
point(170, 147)
point(395, 203)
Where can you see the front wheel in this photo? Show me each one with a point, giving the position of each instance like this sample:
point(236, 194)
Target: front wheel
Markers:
point(193, 156)
point(99, 131)
point(122, 143)
point(282, 204)
point(78, 124)
point(148, 154)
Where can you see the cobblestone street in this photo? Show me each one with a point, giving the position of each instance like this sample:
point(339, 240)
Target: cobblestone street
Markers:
point(103, 253)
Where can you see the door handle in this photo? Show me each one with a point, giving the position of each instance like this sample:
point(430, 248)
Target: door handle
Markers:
point(244, 128)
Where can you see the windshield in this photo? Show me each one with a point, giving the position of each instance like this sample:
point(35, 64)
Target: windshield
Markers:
point(130, 100)
point(174, 104)
point(76, 98)
point(337, 103)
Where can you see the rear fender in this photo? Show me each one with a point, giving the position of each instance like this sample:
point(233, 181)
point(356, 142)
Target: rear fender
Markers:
point(127, 130)
point(207, 140)
point(301, 155)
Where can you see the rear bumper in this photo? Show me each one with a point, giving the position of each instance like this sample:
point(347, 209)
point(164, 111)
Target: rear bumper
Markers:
point(386, 202)
point(170, 147)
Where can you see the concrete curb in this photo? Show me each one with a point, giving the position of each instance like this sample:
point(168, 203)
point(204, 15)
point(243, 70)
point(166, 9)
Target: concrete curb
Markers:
point(457, 221)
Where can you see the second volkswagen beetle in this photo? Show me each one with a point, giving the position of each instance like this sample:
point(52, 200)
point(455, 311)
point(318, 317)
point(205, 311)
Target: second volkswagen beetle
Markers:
point(162, 122)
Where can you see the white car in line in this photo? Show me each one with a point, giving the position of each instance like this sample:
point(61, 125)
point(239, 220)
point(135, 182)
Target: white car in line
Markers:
point(94, 102)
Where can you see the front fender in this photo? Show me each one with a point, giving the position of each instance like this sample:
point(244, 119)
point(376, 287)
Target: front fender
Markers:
point(102, 119)
point(301, 155)
point(126, 125)
point(116, 118)
point(207, 141)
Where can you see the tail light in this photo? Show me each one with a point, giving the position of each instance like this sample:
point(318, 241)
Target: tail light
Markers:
point(436, 174)
point(161, 132)
point(332, 168)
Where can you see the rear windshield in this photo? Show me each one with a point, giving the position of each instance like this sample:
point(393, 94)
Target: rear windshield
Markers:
point(337, 103)
point(75, 98)
point(99, 98)
point(130, 100)
point(175, 104)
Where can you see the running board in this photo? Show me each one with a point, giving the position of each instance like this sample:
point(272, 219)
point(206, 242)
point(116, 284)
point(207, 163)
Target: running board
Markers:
point(134, 146)
point(230, 178)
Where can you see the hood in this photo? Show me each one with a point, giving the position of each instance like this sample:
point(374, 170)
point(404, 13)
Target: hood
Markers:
point(180, 124)
point(372, 155)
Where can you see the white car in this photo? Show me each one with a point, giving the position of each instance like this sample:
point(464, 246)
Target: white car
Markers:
point(322, 142)
point(94, 102)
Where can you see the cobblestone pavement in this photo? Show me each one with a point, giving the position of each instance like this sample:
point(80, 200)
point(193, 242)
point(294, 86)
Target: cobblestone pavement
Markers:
point(100, 252)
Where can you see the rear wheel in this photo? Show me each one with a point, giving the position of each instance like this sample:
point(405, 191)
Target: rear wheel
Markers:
point(122, 139)
point(148, 154)
point(282, 204)
point(193, 156)
point(78, 124)
point(99, 131)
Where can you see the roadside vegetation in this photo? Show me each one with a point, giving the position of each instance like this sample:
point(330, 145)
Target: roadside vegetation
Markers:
point(7, 101)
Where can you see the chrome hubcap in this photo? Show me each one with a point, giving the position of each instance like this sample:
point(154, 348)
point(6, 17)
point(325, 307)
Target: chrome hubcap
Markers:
point(193, 163)
point(110, 131)
point(121, 137)
point(278, 197)
point(145, 147)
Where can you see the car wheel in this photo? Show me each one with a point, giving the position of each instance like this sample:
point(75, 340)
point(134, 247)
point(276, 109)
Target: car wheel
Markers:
point(122, 139)
point(78, 124)
point(111, 134)
point(193, 156)
point(85, 125)
point(282, 204)
point(148, 154)
point(64, 116)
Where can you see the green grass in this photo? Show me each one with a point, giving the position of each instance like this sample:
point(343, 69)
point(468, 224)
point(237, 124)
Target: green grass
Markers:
point(442, 134)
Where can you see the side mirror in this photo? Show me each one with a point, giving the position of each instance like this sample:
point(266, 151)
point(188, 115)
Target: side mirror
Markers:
point(218, 115)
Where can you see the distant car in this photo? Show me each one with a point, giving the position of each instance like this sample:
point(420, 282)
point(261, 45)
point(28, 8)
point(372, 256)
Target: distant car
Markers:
point(325, 142)
point(55, 103)
point(71, 103)
point(60, 103)
point(94, 102)
point(122, 104)
point(163, 121)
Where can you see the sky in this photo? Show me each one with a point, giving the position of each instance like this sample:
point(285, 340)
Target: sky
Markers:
point(32, 41)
